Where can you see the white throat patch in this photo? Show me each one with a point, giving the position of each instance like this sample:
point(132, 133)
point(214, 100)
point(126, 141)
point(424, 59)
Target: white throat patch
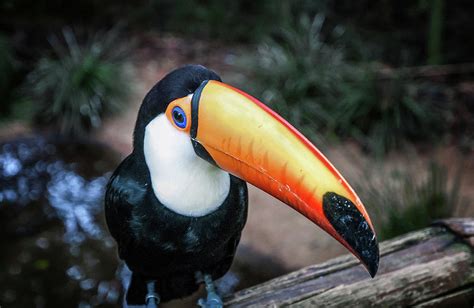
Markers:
point(181, 180)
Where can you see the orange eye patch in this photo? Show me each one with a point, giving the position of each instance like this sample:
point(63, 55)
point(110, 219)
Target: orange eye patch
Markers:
point(179, 113)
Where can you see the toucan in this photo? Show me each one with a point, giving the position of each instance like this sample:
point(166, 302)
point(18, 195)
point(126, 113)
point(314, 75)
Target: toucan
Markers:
point(176, 206)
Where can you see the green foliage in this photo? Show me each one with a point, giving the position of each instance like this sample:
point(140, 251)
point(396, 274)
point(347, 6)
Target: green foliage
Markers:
point(238, 20)
point(297, 71)
point(60, 12)
point(397, 29)
point(242, 20)
point(7, 75)
point(6, 63)
point(401, 110)
point(306, 76)
point(13, 104)
point(79, 85)
point(435, 32)
point(404, 202)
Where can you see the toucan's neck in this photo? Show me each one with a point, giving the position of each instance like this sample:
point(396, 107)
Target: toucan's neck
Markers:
point(181, 180)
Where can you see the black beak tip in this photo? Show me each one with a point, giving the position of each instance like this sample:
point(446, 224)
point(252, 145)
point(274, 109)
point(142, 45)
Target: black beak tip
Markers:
point(373, 270)
point(353, 228)
point(370, 258)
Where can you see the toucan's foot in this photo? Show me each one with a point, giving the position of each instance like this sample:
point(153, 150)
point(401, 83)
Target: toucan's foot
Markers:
point(213, 300)
point(152, 298)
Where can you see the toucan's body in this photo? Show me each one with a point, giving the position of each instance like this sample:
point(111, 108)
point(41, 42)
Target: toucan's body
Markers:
point(159, 243)
point(178, 203)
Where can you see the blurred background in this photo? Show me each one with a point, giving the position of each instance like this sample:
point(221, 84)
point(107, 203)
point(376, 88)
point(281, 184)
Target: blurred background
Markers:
point(384, 88)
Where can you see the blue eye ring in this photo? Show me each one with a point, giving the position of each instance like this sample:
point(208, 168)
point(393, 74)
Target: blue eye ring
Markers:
point(179, 117)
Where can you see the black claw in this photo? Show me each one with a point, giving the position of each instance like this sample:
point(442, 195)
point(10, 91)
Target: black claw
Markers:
point(354, 229)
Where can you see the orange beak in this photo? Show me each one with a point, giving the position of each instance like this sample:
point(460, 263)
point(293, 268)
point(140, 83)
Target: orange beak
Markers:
point(247, 139)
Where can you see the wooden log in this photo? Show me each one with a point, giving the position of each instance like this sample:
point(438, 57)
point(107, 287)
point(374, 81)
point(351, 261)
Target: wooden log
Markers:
point(427, 268)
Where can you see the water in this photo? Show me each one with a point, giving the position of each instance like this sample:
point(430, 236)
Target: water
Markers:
point(55, 248)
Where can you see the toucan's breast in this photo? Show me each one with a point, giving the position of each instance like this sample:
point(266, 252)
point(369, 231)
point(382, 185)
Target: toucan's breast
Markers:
point(182, 181)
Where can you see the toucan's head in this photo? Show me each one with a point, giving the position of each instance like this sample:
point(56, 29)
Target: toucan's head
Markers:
point(199, 119)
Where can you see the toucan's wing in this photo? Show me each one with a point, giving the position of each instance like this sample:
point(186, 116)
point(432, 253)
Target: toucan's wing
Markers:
point(124, 192)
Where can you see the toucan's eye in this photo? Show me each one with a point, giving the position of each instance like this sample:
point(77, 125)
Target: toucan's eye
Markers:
point(179, 117)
